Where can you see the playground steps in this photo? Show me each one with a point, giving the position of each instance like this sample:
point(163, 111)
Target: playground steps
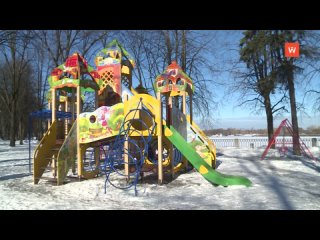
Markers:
point(49, 168)
point(46, 153)
point(54, 151)
point(43, 152)
point(52, 156)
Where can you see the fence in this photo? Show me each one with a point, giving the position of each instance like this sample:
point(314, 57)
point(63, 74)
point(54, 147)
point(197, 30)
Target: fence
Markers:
point(256, 142)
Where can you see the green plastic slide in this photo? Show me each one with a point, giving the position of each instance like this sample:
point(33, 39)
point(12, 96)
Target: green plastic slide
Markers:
point(205, 169)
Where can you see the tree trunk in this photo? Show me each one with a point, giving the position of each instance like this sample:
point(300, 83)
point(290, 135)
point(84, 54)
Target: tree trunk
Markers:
point(184, 51)
point(39, 133)
point(1, 129)
point(294, 118)
point(168, 46)
point(12, 125)
point(21, 132)
point(5, 131)
point(268, 108)
point(176, 34)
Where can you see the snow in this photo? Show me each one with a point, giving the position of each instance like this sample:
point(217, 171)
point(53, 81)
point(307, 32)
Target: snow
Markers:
point(278, 183)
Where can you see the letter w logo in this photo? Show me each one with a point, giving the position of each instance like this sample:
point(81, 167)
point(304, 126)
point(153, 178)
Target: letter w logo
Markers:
point(292, 49)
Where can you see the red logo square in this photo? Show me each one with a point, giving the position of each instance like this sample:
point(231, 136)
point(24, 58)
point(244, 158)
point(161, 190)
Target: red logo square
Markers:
point(292, 49)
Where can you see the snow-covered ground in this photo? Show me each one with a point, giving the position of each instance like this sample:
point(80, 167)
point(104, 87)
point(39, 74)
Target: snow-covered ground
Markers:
point(278, 183)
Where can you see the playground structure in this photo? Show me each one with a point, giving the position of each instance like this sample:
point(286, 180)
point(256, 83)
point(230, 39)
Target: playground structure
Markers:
point(283, 149)
point(131, 133)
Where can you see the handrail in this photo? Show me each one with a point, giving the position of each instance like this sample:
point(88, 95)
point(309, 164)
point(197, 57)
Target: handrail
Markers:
point(43, 152)
point(203, 136)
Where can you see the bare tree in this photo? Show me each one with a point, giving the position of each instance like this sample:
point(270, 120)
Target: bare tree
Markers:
point(59, 44)
point(26, 102)
point(312, 69)
point(13, 73)
point(52, 47)
point(5, 38)
point(316, 98)
point(154, 51)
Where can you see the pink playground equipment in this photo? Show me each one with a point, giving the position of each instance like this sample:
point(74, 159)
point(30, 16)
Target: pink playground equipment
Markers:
point(286, 125)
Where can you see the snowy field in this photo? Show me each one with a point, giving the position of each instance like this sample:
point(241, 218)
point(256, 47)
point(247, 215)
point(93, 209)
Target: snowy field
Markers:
point(278, 183)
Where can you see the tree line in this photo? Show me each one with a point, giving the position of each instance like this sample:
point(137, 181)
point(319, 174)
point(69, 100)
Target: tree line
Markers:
point(262, 71)
point(28, 56)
